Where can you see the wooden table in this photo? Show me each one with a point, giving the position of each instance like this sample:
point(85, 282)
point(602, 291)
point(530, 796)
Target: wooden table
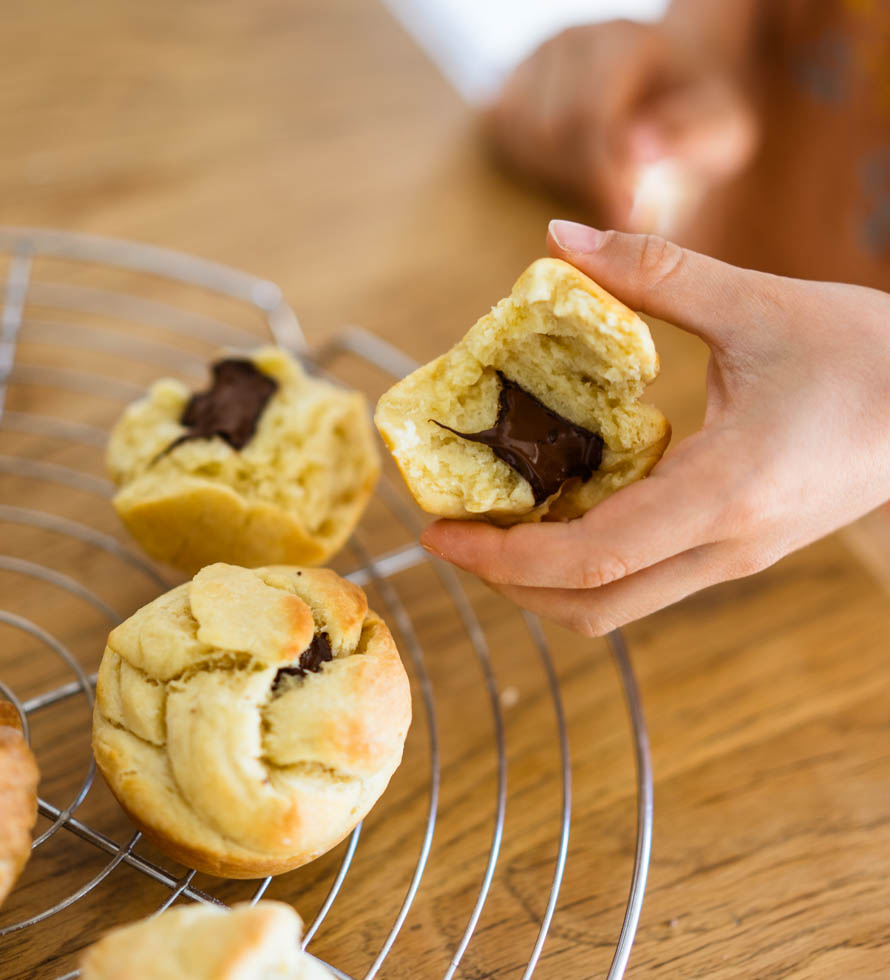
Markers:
point(311, 142)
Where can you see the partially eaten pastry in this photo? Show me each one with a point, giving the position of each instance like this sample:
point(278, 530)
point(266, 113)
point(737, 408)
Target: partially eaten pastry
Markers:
point(206, 942)
point(267, 465)
point(535, 413)
point(249, 719)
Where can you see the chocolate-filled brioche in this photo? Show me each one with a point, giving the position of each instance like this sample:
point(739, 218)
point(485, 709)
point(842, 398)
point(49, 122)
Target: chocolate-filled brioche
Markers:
point(535, 413)
point(267, 465)
point(249, 719)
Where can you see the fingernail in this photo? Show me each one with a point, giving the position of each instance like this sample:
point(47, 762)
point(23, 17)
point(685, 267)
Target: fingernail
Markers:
point(571, 236)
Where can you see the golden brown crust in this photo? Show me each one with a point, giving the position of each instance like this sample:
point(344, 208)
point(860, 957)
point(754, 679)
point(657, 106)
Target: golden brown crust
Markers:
point(222, 762)
point(202, 942)
point(9, 716)
point(19, 776)
point(210, 861)
point(292, 495)
point(565, 340)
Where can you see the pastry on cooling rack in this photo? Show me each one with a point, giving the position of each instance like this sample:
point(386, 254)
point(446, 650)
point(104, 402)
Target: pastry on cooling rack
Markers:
point(18, 798)
point(206, 942)
point(535, 413)
point(249, 719)
point(268, 465)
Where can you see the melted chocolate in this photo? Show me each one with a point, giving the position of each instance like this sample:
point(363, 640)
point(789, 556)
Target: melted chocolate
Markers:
point(317, 653)
point(231, 407)
point(543, 447)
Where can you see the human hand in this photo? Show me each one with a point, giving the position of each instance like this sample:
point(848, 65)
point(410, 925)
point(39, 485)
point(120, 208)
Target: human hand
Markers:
point(795, 441)
point(627, 118)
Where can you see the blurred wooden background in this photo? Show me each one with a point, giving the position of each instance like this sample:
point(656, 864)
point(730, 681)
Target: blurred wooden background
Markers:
point(310, 142)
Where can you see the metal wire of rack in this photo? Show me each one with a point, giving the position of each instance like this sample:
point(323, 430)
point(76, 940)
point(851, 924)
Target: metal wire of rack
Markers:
point(23, 247)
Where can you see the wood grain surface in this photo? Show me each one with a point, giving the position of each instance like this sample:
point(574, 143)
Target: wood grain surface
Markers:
point(308, 141)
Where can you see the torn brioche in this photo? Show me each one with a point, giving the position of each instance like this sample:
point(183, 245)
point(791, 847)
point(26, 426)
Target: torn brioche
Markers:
point(270, 465)
point(535, 413)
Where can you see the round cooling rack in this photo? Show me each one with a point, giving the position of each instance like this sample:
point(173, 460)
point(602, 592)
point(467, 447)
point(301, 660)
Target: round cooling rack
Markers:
point(87, 323)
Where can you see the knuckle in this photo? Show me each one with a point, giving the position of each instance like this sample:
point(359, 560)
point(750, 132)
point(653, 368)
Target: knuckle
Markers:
point(502, 563)
point(625, 25)
point(752, 506)
point(610, 240)
point(576, 35)
point(778, 298)
point(597, 571)
point(750, 561)
point(660, 260)
point(545, 50)
point(566, 35)
point(590, 623)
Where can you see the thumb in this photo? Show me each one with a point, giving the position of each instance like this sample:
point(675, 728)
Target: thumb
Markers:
point(702, 295)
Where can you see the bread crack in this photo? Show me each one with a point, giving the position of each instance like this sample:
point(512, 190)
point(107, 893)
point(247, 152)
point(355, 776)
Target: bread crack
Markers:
point(311, 768)
point(226, 664)
point(129, 731)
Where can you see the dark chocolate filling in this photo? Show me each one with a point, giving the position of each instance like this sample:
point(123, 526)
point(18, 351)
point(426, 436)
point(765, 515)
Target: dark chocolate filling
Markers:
point(231, 407)
point(317, 653)
point(542, 446)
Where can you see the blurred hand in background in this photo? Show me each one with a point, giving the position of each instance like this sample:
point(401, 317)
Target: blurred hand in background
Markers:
point(636, 120)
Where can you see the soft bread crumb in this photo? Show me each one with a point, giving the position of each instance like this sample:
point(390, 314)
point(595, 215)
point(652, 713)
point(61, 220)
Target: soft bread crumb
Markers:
point(292, 494)
point(574, 347)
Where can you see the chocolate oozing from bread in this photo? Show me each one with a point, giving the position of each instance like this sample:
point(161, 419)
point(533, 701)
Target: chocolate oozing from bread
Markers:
point(543, 447)
point(317, 653)
point(231, 408)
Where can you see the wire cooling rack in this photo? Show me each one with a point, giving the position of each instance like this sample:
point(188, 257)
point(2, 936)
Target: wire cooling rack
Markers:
point(81, 307)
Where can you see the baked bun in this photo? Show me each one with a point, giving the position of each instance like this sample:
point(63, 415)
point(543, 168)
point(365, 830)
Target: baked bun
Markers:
point(206, 942)
point(18, 798)
point(552, 378)
point(269, 465)
point(247, 720)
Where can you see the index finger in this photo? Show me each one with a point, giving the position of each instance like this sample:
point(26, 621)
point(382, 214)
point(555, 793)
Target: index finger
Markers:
point(720, 303)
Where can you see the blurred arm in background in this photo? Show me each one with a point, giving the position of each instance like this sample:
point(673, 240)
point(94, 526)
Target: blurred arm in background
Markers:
point(597, 107)
point(757, 131)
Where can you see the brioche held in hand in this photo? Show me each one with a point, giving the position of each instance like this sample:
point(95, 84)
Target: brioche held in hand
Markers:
point(18, 798)
point(535, 413)
point(206, 942)
point(247, 720)
point(267, 466)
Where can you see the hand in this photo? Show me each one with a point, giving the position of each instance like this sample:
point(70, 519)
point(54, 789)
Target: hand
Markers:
point(597, 110)
point(795, 442)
